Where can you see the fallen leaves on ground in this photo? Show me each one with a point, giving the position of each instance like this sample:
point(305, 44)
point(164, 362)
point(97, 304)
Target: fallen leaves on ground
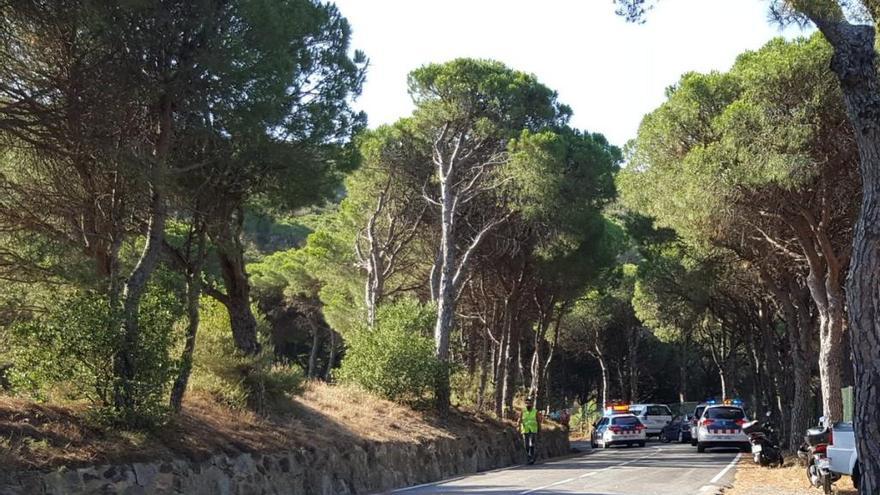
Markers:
point(791, 479)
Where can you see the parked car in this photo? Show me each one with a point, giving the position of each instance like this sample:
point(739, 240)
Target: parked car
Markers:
point(842, 452)
point(695, 418)
point(679, 430)
point(654, 416)
point(618, 429)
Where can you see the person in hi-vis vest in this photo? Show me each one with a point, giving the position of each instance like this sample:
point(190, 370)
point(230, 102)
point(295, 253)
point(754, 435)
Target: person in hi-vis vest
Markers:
point(530, 425)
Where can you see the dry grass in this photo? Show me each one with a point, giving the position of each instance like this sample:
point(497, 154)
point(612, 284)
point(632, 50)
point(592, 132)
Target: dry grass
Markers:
point(39, 436)
point(791, 479)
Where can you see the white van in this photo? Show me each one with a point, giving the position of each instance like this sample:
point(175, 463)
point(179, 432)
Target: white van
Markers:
point(653, 416)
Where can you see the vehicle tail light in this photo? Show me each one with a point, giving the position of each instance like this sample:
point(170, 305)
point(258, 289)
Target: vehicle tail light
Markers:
point(821, 448)
point(615, 429)
point(706, 422)
point(740, 422)
point(830, 436)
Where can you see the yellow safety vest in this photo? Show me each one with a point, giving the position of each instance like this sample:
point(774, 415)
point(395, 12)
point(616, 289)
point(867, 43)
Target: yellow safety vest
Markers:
point(529, 421)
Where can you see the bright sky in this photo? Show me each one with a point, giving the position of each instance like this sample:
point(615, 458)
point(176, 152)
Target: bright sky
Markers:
point(610, 72)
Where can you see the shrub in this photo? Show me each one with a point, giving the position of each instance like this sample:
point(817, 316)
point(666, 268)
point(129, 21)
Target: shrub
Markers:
point(465, 387)
point(396, 358)
point(583, 416)
point(69, 353)
point(240, 381)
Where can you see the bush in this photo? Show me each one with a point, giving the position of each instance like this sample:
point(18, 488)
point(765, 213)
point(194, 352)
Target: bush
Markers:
point(396, 359)
point(69, 354)
point(465, 388)
point(240, 381)
point(583, 416)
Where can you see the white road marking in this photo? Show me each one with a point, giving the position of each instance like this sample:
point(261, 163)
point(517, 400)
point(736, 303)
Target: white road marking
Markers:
point(547, 486)
point(506, 468)
point(724, 471)
point(592, 473)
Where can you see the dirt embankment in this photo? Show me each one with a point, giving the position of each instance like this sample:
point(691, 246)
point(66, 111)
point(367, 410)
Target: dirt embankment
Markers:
point(331, 440)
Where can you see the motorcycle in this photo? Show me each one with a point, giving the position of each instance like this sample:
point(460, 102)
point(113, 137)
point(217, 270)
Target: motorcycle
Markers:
point(762, 437)
point(814, 452)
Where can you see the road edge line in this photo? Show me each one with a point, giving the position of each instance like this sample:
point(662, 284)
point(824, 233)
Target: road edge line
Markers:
point(727, 469)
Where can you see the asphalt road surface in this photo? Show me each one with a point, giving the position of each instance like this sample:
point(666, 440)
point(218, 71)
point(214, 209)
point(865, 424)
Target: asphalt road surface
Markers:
point(657, 469)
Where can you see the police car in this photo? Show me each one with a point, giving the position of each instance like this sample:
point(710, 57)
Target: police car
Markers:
point(721, 426)
point(618, 427)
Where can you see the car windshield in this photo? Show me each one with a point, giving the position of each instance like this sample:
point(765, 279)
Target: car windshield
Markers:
point(625, 421)
point(730, 413)
point(659, 411)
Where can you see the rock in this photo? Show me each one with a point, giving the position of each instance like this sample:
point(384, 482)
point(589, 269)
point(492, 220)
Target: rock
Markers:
point(362, 468)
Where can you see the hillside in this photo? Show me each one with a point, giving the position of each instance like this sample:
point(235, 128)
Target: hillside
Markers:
point(37, 436)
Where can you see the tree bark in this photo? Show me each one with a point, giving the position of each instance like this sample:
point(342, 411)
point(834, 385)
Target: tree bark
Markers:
point(632, 363)
point(597, 353)
point(331, 358)
point(237, 296)
point(854, 63)
point(793, 300)
point(193, 294)
point(501, 367)
point(136, 285)
point(313, 353)
point(445, 290)
point(485, 366)
point(682, 370)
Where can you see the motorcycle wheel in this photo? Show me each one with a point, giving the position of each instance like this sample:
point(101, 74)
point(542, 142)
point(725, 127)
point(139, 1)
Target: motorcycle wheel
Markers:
point(813, 475)
point(826, 485)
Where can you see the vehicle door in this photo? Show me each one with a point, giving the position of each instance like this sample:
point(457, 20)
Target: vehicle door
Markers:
point(599, 429)
point(656, 417)
point(698, 414)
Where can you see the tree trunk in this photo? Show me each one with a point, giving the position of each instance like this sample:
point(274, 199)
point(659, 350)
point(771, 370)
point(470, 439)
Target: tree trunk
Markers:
point(545, 378)
point(599, 357)
point(632, 362)
point(313, 353)
point(445, 293)
point(136, 285)
point(682, 371)
point(133, 292)
point(235, 279)
point(485, 365)
point(331, 358)
point(501, 368)
point(831, 363)
point(193, 293)
point(854, 62)
point(510, 363)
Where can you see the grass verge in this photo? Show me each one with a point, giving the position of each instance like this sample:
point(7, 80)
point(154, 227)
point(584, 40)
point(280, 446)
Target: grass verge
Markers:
point(791, 479)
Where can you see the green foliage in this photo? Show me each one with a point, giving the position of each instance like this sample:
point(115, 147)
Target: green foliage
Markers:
point(70, 352)
point(395, 359)
point(583, 417)
point(486, 94)
point(240, 381)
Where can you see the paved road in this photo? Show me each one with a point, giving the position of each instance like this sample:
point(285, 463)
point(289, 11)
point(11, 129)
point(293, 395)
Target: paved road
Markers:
point(658, 469)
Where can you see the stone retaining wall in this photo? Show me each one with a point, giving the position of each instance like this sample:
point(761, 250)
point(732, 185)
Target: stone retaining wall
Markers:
point(367, 467)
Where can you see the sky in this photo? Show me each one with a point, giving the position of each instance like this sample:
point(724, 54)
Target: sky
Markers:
point(610, 72)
